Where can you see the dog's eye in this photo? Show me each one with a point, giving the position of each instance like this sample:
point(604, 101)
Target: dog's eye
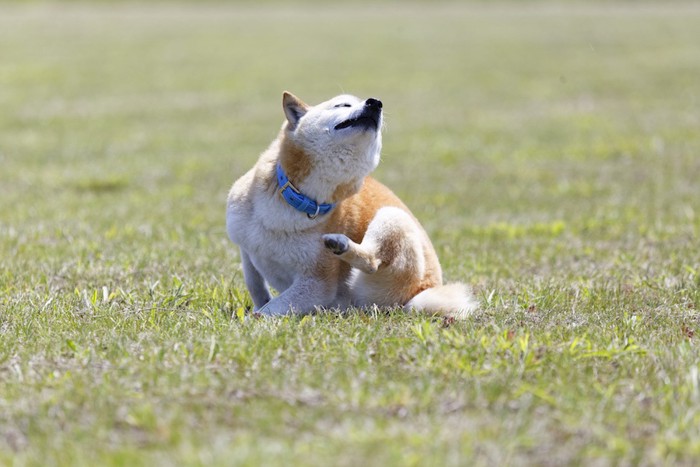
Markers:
point(342, 105)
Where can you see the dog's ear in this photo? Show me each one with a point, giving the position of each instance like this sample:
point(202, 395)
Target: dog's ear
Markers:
point(294, 108)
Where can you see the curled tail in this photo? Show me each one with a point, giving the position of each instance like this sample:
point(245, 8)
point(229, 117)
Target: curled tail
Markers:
point(450, 300)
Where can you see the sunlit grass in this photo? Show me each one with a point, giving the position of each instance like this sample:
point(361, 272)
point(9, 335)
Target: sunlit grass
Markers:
point(550, 151)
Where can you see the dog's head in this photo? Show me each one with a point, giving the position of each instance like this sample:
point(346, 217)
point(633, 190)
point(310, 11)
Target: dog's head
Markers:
point(337, 142)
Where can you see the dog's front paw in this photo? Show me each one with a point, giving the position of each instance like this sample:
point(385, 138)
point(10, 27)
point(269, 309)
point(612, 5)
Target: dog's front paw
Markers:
point(270, 310)
point(337, 243)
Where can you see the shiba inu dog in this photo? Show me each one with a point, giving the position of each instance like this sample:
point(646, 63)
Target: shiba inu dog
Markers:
point(314, 225)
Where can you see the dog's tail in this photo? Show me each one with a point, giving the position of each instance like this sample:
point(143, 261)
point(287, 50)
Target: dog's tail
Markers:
point(450, 300)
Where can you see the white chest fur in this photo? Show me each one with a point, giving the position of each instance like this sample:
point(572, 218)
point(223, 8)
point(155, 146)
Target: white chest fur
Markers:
point(278, 242)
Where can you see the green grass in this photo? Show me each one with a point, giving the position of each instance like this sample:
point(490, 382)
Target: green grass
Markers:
point(552, 153)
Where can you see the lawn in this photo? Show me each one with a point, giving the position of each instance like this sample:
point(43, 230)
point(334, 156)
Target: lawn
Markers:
point(552, 151)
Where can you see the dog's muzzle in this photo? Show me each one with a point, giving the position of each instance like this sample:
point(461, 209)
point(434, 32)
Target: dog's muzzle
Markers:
point(368, 118)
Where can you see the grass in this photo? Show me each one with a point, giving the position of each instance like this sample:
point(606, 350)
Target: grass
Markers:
point(550, 151)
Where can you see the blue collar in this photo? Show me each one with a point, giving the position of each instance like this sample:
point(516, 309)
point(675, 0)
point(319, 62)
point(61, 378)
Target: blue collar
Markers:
point(298, 200)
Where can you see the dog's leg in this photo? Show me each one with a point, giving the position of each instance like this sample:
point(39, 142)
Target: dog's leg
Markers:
point(361, 256)
point(302, 297)
point(391, 260)
point(255, 283)
point(392, 241)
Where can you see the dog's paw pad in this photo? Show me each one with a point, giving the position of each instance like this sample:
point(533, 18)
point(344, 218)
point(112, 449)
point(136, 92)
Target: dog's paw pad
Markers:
point(337, 243)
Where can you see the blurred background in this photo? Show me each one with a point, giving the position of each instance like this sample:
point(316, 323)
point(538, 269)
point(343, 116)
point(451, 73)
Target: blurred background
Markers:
point(516, 131)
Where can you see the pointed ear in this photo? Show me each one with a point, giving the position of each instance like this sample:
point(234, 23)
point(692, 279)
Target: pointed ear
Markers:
point(294, 108)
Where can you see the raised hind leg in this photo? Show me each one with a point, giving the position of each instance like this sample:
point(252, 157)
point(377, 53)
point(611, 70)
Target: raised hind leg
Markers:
point(390, 261)
point(361, 256)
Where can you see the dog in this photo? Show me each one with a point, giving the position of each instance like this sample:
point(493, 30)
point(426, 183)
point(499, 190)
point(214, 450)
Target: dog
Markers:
point(312, 223)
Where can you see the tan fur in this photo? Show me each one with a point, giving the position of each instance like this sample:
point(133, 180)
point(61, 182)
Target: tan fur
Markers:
point(345, 190)
point(385, 259)
point(296, 162)
point(352, 217)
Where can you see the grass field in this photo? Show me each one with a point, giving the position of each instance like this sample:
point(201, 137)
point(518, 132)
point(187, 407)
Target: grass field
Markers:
point(552, 153)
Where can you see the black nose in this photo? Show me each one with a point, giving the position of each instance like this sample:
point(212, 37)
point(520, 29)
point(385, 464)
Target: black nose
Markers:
point(372, 102)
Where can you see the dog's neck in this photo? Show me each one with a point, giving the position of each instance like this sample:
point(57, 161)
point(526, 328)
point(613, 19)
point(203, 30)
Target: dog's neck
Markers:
point(298, 200)
point(322, 186)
